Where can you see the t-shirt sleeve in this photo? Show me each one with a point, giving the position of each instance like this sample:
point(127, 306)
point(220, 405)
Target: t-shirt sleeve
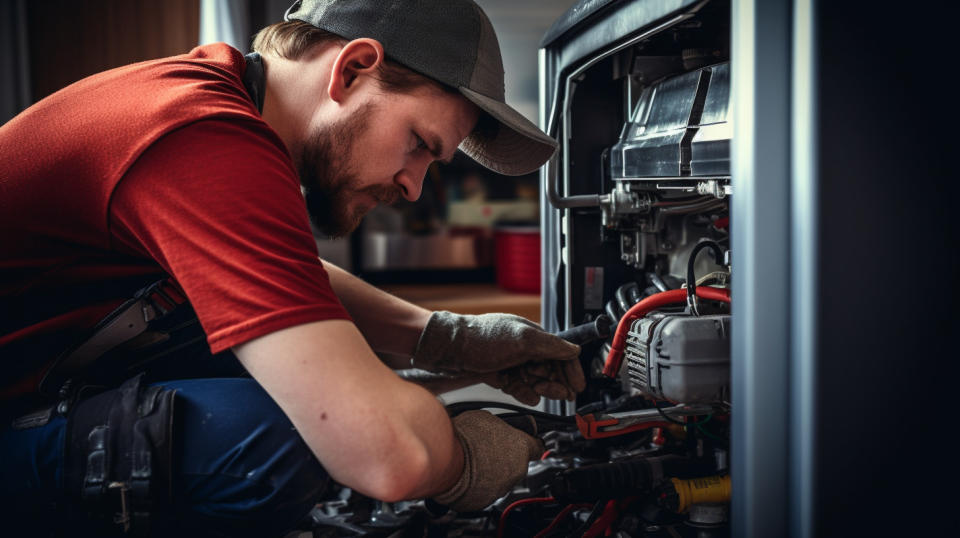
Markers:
point(218, 205)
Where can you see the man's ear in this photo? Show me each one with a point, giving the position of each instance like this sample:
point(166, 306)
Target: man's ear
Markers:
point(357, 58)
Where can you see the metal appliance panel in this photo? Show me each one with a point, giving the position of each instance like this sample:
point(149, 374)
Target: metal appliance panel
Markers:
point(653, 145)
point(710, 147)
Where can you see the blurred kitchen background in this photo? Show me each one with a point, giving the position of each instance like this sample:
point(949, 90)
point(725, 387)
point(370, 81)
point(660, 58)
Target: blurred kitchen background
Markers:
point(471, 243)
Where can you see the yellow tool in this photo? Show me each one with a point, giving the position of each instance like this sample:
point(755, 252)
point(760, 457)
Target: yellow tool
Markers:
point(679, 494)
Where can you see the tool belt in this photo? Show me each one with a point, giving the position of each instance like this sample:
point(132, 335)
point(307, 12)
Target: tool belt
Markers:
point(118, 442)
point(154, 323)
point(118, 459)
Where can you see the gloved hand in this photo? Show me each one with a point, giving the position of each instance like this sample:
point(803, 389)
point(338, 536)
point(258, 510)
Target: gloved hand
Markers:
point(495, 457)
point(507, 352)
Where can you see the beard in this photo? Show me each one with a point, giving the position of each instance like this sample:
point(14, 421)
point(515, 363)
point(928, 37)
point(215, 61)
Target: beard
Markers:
point(329, 181)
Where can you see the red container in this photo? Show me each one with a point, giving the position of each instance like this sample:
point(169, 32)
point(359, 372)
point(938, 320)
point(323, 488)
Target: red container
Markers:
point(518, 258)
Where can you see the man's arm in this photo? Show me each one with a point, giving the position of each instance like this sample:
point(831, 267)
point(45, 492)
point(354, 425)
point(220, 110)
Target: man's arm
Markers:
point(390, 325)
point(505, 351)
point(372, 431)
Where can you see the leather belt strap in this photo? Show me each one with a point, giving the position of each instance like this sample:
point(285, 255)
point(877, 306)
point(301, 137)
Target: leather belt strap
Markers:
point(130, 319)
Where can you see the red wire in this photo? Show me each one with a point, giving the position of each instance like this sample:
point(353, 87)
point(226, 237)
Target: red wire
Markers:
point(605, 520)
point(615, 358)
point(521, 502)
point(556, 521)
point(611, 512)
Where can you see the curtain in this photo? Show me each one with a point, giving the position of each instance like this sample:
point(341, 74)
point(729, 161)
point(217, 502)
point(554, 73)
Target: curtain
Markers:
point(227, 21)
point(14, 59)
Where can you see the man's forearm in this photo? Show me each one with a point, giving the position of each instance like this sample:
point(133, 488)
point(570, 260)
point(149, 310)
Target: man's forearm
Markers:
point(372, 431)
point(390, 325)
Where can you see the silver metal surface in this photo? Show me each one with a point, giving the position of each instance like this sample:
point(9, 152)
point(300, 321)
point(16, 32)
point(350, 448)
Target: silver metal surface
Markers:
point(716, 107)
point(633, 250)
point(551, 233)
point(680, 357)
point(710, 150)
point(708, 513)
point(669, 136)
point(621, 203)
point(710, 147)
point(805, 279)
point(652, 145)
point(761, 340)
point(714, 188)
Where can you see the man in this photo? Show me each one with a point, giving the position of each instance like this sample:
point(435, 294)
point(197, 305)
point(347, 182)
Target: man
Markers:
point(192, 167)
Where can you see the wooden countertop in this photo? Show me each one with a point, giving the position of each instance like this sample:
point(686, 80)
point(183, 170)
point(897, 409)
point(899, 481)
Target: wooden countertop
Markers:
point(468, 298)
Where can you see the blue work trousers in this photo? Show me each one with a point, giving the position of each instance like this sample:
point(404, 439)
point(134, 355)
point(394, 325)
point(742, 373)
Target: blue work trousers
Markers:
point(239, 466)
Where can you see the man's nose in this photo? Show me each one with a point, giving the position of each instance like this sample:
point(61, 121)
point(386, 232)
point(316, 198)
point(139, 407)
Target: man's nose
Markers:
point(410, 180)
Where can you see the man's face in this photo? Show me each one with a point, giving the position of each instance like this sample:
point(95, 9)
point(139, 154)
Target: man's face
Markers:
point(378, 150)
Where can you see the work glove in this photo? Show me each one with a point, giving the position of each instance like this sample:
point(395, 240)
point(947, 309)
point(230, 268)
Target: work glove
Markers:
point(505, 351)
point(495, 457)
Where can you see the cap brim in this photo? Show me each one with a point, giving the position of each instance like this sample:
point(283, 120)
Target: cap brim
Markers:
point(517, 148)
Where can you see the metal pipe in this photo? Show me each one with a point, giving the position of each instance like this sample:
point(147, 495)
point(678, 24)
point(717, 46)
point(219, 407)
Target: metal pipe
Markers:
point(566, 202)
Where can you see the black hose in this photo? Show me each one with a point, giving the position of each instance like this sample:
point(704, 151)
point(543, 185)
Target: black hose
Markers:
point(658, 282)
point(621, 296)
point(625, 297)
point(634, 293)
point(538, 426)
point(597, 329)
point(618, 479)
point(691, 277)
point(612, 312)
point(603, 481)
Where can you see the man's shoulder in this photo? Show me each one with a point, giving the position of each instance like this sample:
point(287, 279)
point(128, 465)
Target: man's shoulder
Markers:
point(223, 147)
point(206, 82)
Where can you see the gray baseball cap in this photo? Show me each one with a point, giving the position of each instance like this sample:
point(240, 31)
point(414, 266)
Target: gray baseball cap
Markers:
point(451, 42)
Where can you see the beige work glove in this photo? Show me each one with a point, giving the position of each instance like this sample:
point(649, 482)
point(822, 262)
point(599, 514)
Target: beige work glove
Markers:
point(495, 457)
point(505, 351)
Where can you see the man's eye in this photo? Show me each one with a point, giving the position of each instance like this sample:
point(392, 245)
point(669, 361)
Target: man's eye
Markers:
point(421, 144)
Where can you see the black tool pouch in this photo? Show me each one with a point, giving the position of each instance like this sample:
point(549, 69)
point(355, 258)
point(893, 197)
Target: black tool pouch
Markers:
point(117, 459)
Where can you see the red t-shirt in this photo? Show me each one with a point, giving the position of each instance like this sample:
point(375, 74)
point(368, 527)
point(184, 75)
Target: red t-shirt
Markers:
point(162, 166)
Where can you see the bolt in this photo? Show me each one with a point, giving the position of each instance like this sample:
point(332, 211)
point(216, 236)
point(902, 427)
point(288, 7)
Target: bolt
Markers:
point(666, 245)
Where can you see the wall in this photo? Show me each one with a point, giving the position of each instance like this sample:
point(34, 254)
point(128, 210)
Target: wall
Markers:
point(69, 40)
